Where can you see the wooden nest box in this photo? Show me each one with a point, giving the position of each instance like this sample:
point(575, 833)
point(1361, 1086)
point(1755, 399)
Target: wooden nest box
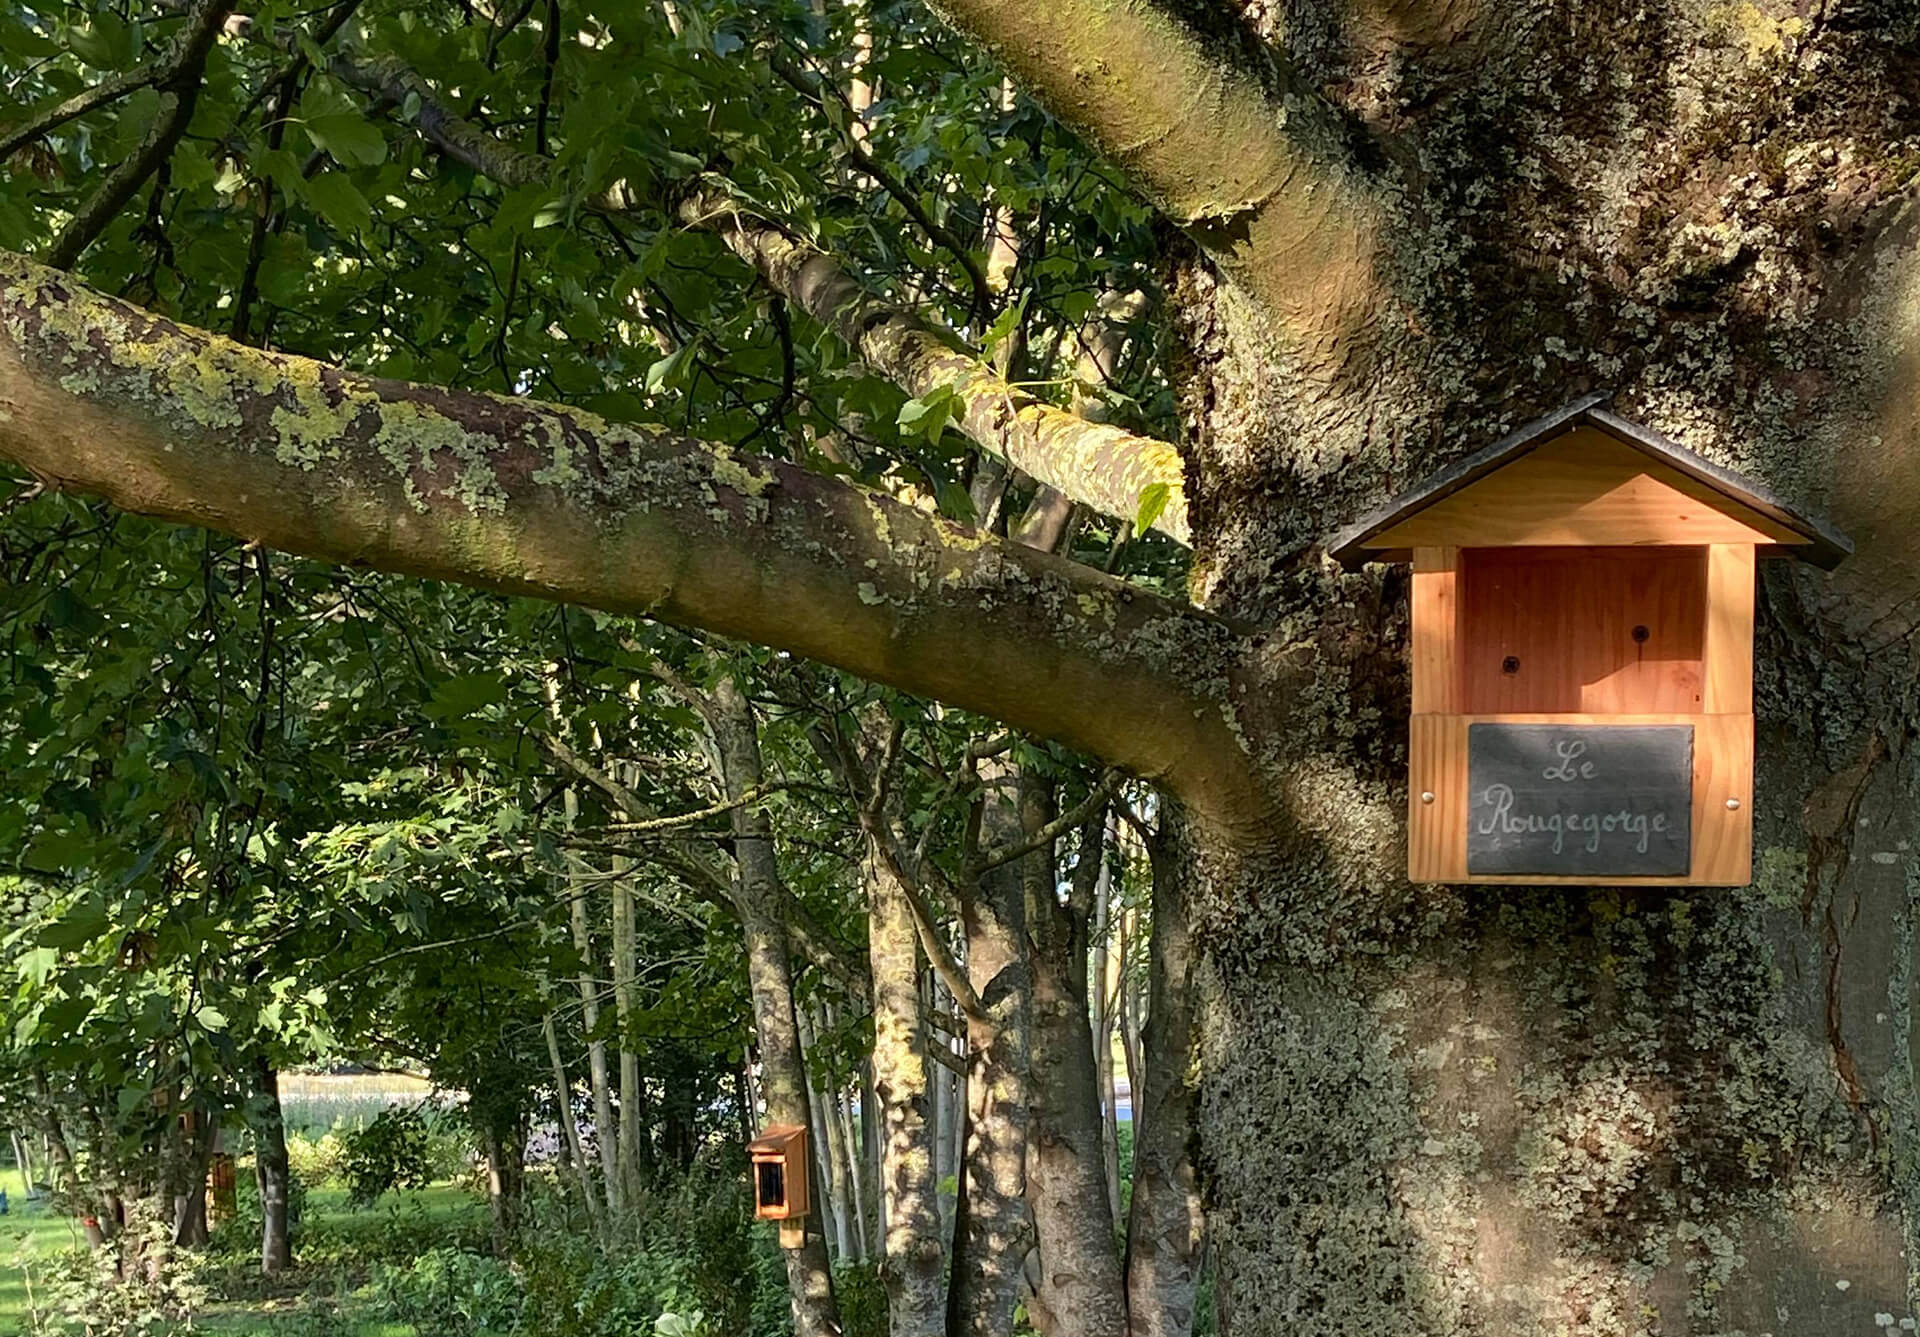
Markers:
point(1583, 654)
point(781, 1175)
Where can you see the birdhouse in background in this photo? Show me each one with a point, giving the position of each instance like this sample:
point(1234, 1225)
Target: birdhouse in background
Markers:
point(1583, 654)
point(781, 1175)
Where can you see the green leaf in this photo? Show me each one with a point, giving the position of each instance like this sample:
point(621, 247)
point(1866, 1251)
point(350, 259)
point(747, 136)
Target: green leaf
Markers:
point(928, 415)
point(1153, 500)
point(339, 202)
point(350, 138)
point(211, 1019)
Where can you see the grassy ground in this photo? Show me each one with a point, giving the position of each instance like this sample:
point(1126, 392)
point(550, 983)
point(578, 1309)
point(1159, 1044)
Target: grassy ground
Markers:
point(337, 1241)
point(26, 1230)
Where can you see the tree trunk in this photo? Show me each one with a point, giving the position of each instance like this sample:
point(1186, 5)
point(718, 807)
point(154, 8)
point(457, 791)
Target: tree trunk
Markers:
point(769, 973)
point(991, 1230)
point(505, 1148)
point(1164, 1224)
point(914, 1268)
point(570, 1142)
point(1079, 1292)
point(23, 1159)
point(827, 1160)
point(636, 1148)
point(1102, 1000)
point(271, 1167)
point(606, 1133)
point(189, 1189)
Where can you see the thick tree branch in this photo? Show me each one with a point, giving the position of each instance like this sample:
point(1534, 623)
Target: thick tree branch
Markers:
point(99, 396)
point(1261, 179)
point(1099, 465)
point(179, 84)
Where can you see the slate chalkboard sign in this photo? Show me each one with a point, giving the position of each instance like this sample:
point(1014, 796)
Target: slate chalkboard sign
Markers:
point(1580, 800)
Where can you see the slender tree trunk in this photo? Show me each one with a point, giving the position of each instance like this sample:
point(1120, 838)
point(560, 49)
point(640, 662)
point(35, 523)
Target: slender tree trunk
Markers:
point(1164, 1225)
point(272, 1167)
point(849, 1136)
point(505, 1147)
point(189, 1188)
point(570, 1128)
point(23, 1158)
point(1100, 984)
point(991, 1230)
point(826, 1160)
point(606, 1133)
point(635, 1151)
point(914, 1251)
point(769, 973)
point(870, 1121)
point(1079, 1292)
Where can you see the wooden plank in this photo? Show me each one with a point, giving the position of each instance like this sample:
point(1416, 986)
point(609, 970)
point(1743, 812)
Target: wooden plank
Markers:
point(1436, 641)
point(1601, 630)
point(1437, 831)
point(1723, 771)
point(1728, 653)
point(1584, 489)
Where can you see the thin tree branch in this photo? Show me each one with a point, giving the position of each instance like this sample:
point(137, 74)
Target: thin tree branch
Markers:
point(815, 89)
point(1101, 465)
point(1103, 792)
point(179, 83)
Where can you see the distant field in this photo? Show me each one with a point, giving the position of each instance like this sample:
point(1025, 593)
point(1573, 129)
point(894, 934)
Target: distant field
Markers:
point(316, 1102)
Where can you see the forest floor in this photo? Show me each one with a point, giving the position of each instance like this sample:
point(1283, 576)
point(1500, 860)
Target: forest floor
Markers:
point(337, 1243)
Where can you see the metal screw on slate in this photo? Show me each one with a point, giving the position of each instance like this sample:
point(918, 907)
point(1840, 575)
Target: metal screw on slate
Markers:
point(1511, 664)
point(1426, 796)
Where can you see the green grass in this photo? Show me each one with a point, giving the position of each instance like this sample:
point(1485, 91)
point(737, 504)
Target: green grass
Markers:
point(29, 1230)
point(430, 1215)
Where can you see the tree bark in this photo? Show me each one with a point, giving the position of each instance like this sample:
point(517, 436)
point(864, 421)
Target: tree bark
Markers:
point(636, 1149)
point(992, 1233)
point(914, 1267)
point(1101, 976)
point(571, 1141)
point(272, 1168)
point(606, 1133)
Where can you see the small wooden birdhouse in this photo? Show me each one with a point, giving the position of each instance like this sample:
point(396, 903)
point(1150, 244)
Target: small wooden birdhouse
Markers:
point(1583, 654)
point(781, 1178)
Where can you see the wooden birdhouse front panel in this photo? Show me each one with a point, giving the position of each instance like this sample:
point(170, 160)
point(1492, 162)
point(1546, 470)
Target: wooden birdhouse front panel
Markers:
point(1582, 656)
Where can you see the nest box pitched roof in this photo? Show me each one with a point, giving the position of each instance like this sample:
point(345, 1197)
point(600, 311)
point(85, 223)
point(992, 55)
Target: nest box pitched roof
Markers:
point(1585, 476)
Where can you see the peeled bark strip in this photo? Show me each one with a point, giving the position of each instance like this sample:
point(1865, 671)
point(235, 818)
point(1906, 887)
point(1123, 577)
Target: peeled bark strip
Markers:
point(527, 498)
